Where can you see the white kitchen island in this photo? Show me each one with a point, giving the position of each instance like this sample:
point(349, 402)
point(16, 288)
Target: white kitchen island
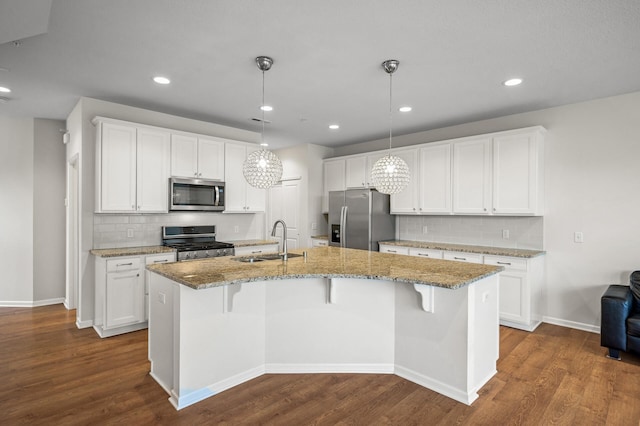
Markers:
point(216, 323)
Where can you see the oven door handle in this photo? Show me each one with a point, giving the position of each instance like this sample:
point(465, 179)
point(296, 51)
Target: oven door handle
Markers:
point(217, 199)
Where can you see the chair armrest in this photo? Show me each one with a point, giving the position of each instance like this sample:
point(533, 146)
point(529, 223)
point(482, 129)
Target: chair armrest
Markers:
point(616, 305)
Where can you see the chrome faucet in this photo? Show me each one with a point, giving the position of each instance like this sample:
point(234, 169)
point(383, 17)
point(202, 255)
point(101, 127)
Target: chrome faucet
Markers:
point(284, 236)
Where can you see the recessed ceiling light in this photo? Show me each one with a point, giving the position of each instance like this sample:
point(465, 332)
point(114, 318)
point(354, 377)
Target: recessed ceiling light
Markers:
point(264, 144)
point(266, 108)
point(5, 89)
point(405, 109)
point(161, 80)
point(334, 126)
point(513, 82)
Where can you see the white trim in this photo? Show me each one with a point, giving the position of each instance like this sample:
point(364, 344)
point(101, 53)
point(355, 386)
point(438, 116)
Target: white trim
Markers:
point(191, 397)
point(520, 326)
point(32, 304)
point(572, 324)
point(435, 385)
point(84, 324)
point(119, 330)
point(329, 368)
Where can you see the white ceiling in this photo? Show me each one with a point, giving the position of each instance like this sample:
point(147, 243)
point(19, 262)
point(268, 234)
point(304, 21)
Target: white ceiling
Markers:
point(453, 57)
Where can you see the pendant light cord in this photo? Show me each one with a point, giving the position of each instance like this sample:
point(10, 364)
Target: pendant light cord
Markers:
point(262, 109)
point(390, 110)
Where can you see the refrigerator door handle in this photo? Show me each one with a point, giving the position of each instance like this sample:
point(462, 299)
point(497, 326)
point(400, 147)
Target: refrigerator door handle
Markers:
point(343, 226)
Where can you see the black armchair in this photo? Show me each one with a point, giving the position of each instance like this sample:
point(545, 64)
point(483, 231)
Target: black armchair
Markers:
point(620, 323)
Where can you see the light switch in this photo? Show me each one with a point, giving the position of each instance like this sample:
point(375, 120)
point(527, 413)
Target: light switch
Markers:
point(162, 298)
point(578, 237)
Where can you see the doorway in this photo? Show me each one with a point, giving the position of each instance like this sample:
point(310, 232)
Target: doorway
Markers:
point(284, 203)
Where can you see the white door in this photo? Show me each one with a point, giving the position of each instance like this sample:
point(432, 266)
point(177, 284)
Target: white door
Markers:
point(284, 203)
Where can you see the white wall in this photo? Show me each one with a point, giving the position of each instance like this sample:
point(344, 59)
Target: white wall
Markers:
point(592, 181)
point(16, 211)
point(32, 185)
point(49, 211)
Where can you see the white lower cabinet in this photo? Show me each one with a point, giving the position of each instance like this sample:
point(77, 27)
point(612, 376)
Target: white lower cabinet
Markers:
point(463, 257)
point(393, 249)
point(520, 290)
point(256, 250)
point(319, 242)
point(430, 253)
point(121, 296)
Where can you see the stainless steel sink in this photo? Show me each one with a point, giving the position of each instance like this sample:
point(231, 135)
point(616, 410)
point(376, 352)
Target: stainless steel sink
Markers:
point(262, 257)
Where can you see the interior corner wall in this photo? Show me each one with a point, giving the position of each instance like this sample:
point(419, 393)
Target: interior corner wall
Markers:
point(48, 212)
point(16, 211)
point(591, 186)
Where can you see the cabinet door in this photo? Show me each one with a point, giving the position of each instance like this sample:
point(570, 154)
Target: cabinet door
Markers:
point(406, 202)
point(515, 174)
point(124, 299)
point(472, 176)
point(462, 257)
point(117, 166)
point(184, 156)
point(393, 249)
point(153, 160)
point(334, 180)
point(356, 174)
point(371, 160)
point(255, 198)
point(430, 253)
point(236, 185)
point(435, 179)
point(210, 159)
point(513, 297)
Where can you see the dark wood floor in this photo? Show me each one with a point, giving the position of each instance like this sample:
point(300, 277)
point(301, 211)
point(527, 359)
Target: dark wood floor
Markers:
point(51, 373)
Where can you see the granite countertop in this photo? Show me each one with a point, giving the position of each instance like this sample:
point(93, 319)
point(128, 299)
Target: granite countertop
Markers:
point(131, 251)
point(249, 243)
point(326, 262)
point(320, 237)
point(495, 251)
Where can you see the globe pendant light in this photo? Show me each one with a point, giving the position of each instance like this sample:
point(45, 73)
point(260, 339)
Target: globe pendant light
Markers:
point(390, 174)
point(262, 168)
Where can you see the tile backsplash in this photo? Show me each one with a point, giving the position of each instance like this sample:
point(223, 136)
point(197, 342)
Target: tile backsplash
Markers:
point(110, 230)
point(524, 232)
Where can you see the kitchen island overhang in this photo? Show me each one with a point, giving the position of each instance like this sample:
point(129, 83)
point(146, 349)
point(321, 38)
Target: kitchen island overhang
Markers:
point(214, 324)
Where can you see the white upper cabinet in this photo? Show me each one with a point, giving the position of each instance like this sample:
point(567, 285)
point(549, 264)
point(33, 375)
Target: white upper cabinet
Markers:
point(407, 201)
point(434, 178)
point(153, 147)
point(197, 157)
point(334, 179)
point(472, 176)
point(499, 173)
point(240, 196)
point(518, 173)
point(132, 168)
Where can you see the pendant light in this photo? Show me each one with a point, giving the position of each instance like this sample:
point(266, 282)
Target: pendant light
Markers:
point(262, 168)
point(390, 174)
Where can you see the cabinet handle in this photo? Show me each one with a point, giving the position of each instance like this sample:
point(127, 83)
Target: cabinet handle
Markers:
point(195, 174)
point(485, 209)
point(256, 251)
point(504, 263)
point(125, 264)
point(460, 258)
point(414, 209)
point(160, 261)
point(423, 254)
point(133, 207)
point(137, 275)
point(391, 251)
point(199, 174)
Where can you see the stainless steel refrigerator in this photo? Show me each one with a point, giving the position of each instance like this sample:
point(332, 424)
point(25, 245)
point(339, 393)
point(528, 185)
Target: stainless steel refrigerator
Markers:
point(360, 218)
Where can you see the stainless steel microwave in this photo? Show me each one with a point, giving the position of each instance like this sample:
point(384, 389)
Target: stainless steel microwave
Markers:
point(196, 195)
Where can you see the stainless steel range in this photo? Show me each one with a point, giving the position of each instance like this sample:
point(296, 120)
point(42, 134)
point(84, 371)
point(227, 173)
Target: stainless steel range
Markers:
point(195, 242)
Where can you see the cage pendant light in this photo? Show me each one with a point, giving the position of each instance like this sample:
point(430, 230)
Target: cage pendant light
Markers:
point(390, 174)
point(262, 168)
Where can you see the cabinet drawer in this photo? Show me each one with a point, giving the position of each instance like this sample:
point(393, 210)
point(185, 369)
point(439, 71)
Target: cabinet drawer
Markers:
point(463, 257)
point(315, 242)
point(252, 250)
point(509, 263)
point(394, 249)
point(430, 253)
point(123, 264)
point(160, 258)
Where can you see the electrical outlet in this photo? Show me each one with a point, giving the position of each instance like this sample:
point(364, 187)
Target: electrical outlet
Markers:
point(578, 237)
point(129, 233)
point(236, 229)
point(505, 234)
point(424, 229)
point(314, 226)
point(162, 298)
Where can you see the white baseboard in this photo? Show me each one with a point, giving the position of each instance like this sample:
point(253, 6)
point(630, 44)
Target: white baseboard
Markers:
point(119, 330)
point(84, 324)
point(437, 386)
point(329, 368)
point(30, 304)
point(180, 402)
point(572, 324)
